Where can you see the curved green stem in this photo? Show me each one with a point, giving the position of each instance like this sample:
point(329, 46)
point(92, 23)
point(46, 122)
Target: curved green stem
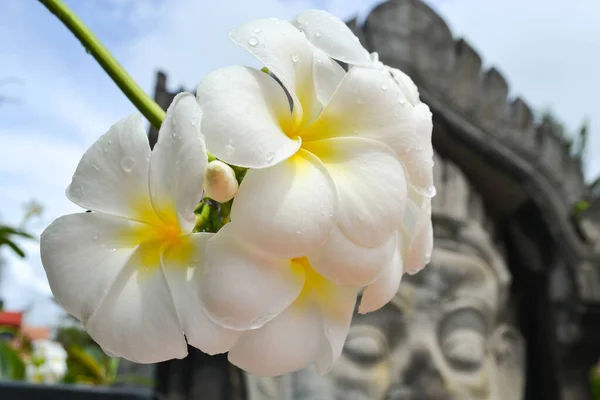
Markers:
point(144, 103)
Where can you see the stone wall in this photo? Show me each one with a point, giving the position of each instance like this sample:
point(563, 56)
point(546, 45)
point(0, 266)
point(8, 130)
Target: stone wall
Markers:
point(408, 34)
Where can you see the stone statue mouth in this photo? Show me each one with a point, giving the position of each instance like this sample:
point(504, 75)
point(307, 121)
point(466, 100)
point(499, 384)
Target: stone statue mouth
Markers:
point(432, 392)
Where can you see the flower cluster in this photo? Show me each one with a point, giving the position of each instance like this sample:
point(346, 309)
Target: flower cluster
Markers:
point(336, 199)
point(48, 363)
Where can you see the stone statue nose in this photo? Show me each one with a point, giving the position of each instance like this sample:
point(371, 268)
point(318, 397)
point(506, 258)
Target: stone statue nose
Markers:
point(422, 372)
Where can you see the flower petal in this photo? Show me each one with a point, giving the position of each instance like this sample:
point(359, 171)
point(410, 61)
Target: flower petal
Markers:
point(380, 292)
point(245, 114)
point(112, 175)
point(371, 186)
point(407, 86)
point(328, 75)
point(342, 261)
point(137, 319)
point(243, 288)
point(178, 162)
point(287, 343)
point(419, 253)
point(419, 161)
point(368, 103)
point(286, 210)
point(333, 36)
point(336, 328)
point(286, 52)
point(183, 277)
point(82, 255)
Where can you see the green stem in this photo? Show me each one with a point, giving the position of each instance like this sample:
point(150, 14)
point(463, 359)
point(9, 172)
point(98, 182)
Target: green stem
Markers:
point(144, 103)
point(203, 217)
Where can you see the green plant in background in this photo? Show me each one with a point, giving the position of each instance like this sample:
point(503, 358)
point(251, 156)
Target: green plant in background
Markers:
point(579, 208)
point(87, 363)
point(8, 235)
point(595, 381)
point(12, 366)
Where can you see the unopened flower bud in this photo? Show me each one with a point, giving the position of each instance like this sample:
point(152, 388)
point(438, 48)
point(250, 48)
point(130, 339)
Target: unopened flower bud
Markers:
point(220, 183)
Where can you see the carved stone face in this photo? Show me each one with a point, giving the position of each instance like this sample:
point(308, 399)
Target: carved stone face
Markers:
point(437, 341)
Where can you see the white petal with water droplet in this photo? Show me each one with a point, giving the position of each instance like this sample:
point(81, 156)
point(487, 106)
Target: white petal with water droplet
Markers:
point(112, 175)
point(245, 113)
point(177, 163)
point(333, 36)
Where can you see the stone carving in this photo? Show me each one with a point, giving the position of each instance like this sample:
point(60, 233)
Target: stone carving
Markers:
point(409, 35)
point(529, 183)
point(447, 334)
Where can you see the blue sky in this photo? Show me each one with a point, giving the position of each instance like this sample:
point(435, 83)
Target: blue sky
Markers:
point(548, 50)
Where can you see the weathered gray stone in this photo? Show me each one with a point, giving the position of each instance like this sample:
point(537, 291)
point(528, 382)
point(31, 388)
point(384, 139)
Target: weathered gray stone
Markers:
point(521, 122)
point(466, 82)
point(410, 35)
point(493, 113)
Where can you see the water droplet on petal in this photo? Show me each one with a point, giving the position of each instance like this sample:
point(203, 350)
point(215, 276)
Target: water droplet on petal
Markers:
point(109, 141)
point(127, 164)
point(318, 34)
point(260, 321)
point(401, 100)
point(229, 149)
point(270, 156)
point(253, 41)
point(383, 86)
point(257, 30)
point(195, 121)
point(295, 58)
point(95, 165)
point(431, 191)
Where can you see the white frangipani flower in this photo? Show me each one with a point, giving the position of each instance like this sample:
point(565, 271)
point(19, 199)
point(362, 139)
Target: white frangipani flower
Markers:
point(318, 216)
point(412, 145)
point(290, 313)
point(322, 185)
point(129, 269)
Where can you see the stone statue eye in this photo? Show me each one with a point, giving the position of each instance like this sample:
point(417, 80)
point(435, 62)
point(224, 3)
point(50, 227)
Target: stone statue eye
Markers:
point(366, 345)
point(462, 339)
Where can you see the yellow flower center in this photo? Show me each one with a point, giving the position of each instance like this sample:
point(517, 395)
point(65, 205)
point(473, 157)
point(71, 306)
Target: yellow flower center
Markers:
point(316, 289)
point(158, 235)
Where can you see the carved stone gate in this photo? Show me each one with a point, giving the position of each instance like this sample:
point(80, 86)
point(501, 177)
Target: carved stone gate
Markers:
point(507, 189)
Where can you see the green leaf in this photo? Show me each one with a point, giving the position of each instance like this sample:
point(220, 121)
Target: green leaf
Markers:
point(84, 367)
point(6, 231)
point(13, 246)
point(12, 366)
